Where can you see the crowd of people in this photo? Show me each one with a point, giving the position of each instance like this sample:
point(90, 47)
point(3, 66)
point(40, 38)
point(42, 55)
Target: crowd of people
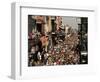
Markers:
point(50, 42)
point(55, 48)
